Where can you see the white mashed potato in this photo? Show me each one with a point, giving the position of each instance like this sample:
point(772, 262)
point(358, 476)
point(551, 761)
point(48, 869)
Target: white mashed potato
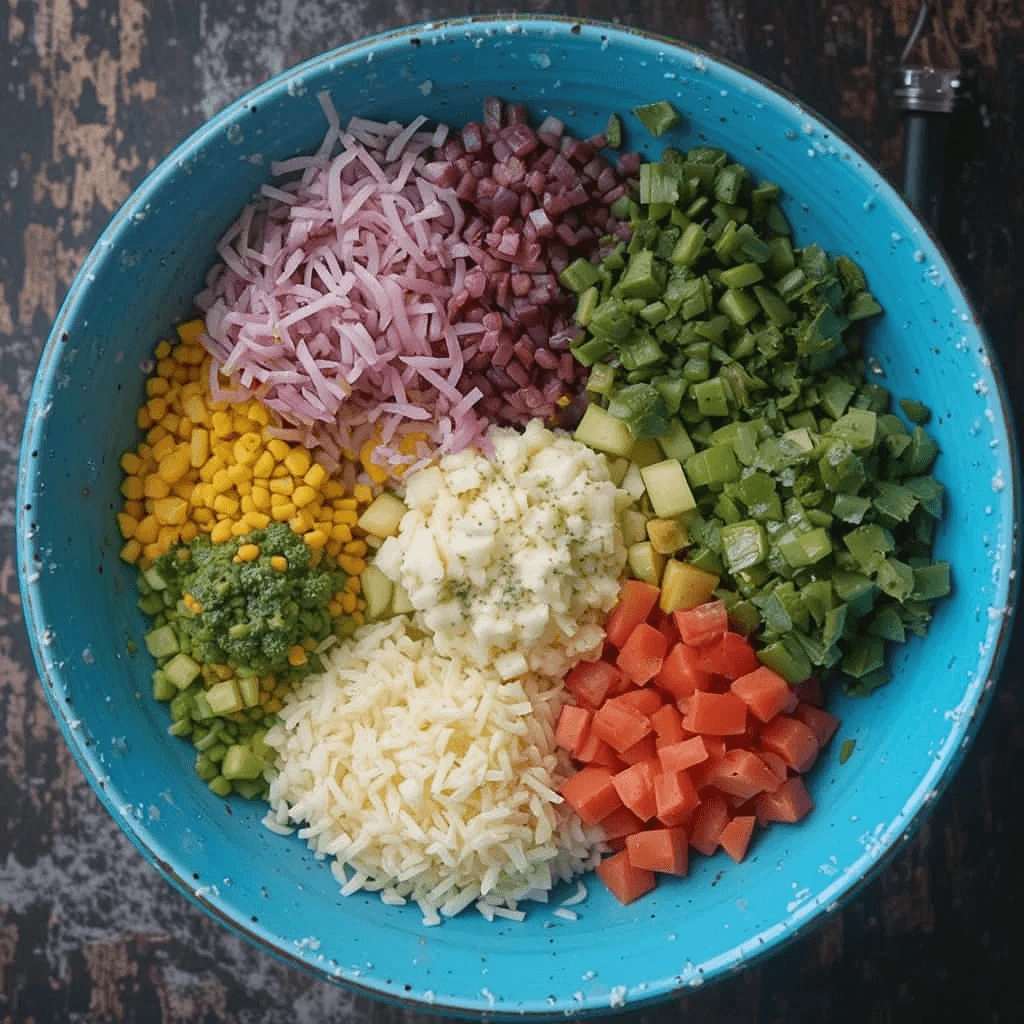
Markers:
point(512, 561)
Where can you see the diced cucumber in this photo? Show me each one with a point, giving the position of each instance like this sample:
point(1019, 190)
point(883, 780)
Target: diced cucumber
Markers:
point(645, 563)
point(162, 642)
point(684, 586)
point(154, 579)
point(182, 671)
point(240, 762)
point(376, 590)
point(604, 433)
point(382, 517)
point(224, 697)
point(669, 492)
point(249, 689)
point(163, 688)
point(646, 452)
point(617, 470)
point(400, 603)
point(676, 444)
point(633, 524)
point(633, 482)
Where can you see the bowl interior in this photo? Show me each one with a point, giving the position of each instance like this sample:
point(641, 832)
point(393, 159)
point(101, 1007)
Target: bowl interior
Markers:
point(80, 598)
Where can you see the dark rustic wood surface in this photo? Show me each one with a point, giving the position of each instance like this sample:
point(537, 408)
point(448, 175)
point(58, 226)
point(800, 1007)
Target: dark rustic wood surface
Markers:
point(92, 94)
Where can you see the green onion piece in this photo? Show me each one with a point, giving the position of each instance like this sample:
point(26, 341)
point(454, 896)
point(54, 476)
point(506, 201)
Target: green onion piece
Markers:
point(916, 412)
point(601, 379)
point(658, 117)
point(585, 306)
point(613, 131)
point(846, 750)
point(931, 581)
point(711, 397)
point(788, 659)
point(579, 276)
point(712, 467)
point(642, 408)
point(862, 306)
point(864, 654)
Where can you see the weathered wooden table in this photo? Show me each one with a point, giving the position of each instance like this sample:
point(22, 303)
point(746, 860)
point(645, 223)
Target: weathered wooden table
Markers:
point(92, 94)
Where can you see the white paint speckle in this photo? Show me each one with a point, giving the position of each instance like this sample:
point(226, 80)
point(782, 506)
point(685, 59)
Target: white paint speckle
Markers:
point(998, 482)
point(540, 59)
point(617, 997)
point(426, 87)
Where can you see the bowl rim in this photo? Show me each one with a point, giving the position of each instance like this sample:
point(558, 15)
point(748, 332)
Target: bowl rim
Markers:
point(812, 913)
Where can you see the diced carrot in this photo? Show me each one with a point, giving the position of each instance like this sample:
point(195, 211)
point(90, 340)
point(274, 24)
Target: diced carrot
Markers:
point(642, 654)
point(809, 691)
point(573, 728)
point(591, 793)
point(789, 803)
point(775, 764)
point(765, 692)
point(667, 724)
point(595, 751)
point(708, 821)
point(681, 673)
point(625, 882)
point(821, 723)
point(646, 700)
point(731, 656)
point(590, 681)
point(621, 823)
point(677, 757)
point(659, 849)
point(703, 624)
point(636, 601)
point(635, 788)
point(742, 773)
point(793, 741)
point(675, 797)
point(735, 837)
point(716, 714)
point(644, 750)
point(619, 726)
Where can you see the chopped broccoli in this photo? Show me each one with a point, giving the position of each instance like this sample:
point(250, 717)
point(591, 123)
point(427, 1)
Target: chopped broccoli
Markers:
point(249, 614)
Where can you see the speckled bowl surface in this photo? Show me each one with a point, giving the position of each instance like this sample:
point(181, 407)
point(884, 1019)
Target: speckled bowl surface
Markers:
point(80, 599)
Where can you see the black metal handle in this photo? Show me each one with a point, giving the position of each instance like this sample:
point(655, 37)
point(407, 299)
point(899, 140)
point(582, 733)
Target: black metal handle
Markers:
point(924, 163)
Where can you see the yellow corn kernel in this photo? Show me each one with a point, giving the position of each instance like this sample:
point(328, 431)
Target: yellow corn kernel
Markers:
point(279, 562)
point(356, 547)
point(151, 552)
point(279, 472)
point(257, 413)
point(316, 557)
point(282, 485)
point(189, 532)
point(225, 505)
point(334, 489)
point(239, 528)
point(315, 476)
point(185, 428)
point(203, 516)
point(189, 355)
point(350, 564)
point(332, 548)
point(135, 509)
point(341, 533)
point(362, 493)
point(348, 603)
point(195, 409)
point(247, 553)
point(157, 408)
point(345, 517)
point(274, 705)
point(156, 434)
point(297, 655)
point(297, 461)
point(221, 424)
point(221, 481)
point(168, 536)
point(247, 449)
point(282, 513)
point(162, 350)
point(165, 368)
point(143, 420)
point(170, 423)
point(127, 525)
point(277, 500)
point(358, 618)
point(303, 495)
point(176, 464)
point(224, 450)
point(183, 489)
point(256, 520)
point(247, 505)
point(156, 387)
point(210, 468)
point(261, 497)
point(163, 448)
point(353, 585)
point(348, 504)
point(373, 471)
point(323, 525)
point(133, 488)
point(199, 447)
point(302, 522)
point(221, 532)
point(315, 539)
point(263, 466)
point(131, 551)
point(239, 473)
point(131, 463)
point(179, 374)
point(242, 424)
point(147, 530)
point(335, 609)
point(171, 511)
point(190, 330)
point(278, 448)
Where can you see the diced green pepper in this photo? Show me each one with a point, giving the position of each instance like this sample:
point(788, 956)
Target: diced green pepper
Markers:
point(744, 544)
point(658, 117)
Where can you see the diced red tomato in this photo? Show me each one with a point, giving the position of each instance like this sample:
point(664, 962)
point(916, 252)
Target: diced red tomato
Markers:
point(775, 764)
point(742, 773)
point(703, 624)
point(793, 741)
point(667, 724)
point(591, 793)
point(764, 691)
point(635, 787)
point(644, 750)
point(716, 714)
point(573, 728)
point(619, 726)
point(735, 837)
point(678, 757)
point(666, 625)
point(821, 723)
point(642, 654)
point(659, 849)
point(789, 803)
point(675, 797)
point(708, 821)
point(625, 882)
point(636, 601)
point(681, 673)
point(621, 823)
point(595, 751)
point(646, 700)
point(590, 681)
point(731, 656)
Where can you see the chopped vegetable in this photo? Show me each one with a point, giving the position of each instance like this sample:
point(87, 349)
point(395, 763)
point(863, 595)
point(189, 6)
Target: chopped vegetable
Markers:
point(658, 117)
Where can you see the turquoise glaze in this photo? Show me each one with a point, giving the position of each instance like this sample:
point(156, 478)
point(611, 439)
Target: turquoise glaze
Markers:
point(80, 600)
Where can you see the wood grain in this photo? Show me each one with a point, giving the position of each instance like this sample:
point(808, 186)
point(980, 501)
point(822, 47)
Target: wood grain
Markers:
point(92, 94)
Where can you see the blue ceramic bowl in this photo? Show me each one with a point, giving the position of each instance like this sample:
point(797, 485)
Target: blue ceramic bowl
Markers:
point(80, 599)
